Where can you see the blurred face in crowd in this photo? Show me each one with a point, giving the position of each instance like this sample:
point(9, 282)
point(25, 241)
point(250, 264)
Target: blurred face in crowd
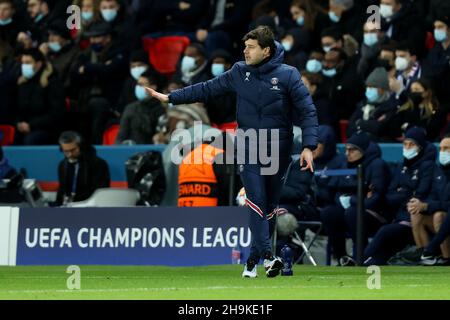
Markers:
point(6, 11)
point(109, 9)
point(444, 146)
point(311, 87)
point(253, 52)
point(336, 9)
point(100, 40)
point(388, 56)
point(28, 60)
point(36, 8)
point(331, 60)
point(409, 144)
point(71, 151)
point(219, 65)
point(418, 93)
point(87, 6)
point(389, 7)
point(441, 31)
point(329, 43)
point(353, 154)
point(372, 34)
point(298, 15)
point(54, 38)
point(403, 60)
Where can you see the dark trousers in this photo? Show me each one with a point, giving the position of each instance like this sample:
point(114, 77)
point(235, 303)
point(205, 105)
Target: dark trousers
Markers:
point(389, 240)
point(337, 222)
point(263, 193)
point(444, 232)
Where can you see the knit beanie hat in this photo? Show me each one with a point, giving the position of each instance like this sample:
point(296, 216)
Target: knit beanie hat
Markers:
point(378, 79)
point(359, 140)
point(418, 135)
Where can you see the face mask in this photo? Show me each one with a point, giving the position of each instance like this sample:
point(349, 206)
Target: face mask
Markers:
point(217, 69)
point(370, 39)
point(109, 14)
point(372, 94)
point(330, 73)
point(444, 158)
point(5, 22)
point(386, 11)
point(440, 35)
point(54, 46)
point(38, 17)
point(410, 153)
point(287, 45)
point(187, 64)
point(27, 71)
point(326, 48)
point(333, 17)
point(313, 66)
point(401, 63)
point(345, 201)
point(416, 97)
point(97, 47)
point(87, 16)
point(136, 72)
point(140, 92)
point(300, 21)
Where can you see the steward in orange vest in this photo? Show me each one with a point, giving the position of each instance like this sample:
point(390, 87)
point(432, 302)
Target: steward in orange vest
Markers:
point(201, 182)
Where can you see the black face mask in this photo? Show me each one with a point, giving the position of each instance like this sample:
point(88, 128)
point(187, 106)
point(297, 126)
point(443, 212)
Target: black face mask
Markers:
point(416, 97)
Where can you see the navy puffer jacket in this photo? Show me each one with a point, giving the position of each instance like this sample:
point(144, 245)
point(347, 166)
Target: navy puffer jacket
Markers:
point(270, 96)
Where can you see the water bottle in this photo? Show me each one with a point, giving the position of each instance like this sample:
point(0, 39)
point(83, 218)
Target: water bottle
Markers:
point(286, 255)
point(236, 255)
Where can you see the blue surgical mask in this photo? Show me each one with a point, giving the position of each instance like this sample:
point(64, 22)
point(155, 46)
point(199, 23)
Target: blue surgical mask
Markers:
point(109, 14)
point(187, 64)
point(140, 92)
point(28, 71)
point(300, 21)
point(217, 69)
point(54, 46)
point(313, 66)
point(136, 72)
point(370, 39)
point(87, 16)
point(440, 35)
point(38, 17)
point(372, 94)
point(4, 22)
point(444, 158)
point(333, 17)
point(410, 153)
point(286, 45)
point(345, 201)
point(330, 73)
point(326, 49)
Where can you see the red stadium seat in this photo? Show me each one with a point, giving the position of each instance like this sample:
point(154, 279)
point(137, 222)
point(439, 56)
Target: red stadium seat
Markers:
point(343, 124)
point(110, 135)
point(7, 134)
point(228, 126)
point(430, 41)
point(165, 52)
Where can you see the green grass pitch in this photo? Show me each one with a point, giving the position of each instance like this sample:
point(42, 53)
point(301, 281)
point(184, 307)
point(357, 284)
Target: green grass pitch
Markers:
point(223, 283)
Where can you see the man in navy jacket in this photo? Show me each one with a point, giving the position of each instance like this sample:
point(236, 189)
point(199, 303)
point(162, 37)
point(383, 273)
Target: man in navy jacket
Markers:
point(270, 96)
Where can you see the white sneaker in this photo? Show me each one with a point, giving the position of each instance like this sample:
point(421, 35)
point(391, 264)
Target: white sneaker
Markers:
point(249, 273)
point(273, 266)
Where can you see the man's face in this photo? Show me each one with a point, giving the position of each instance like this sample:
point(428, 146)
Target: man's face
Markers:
point(6, 11)
point(56, 38)
point(253, 53)
point(87, 6)
point(410, 144)
point(29, 60)
point(331, 60)
point(109, 5)
point(34, 8)
point(353, 154)
point(103, 40)
point(193, 53)
point(71, 151)
point(329, 43)
point(444, 146)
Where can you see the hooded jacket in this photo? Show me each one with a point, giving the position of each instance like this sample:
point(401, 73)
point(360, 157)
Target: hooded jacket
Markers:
point(411, 178)
point(269, 96)
point(439, 197)
point(376, 180)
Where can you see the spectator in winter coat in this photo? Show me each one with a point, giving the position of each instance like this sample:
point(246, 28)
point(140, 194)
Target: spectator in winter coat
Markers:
point(412, 180)
point(341, 217)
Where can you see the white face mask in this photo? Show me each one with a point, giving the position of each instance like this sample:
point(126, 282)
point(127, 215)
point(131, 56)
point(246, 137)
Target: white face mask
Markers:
point(386, 11)
point(136, 72)
point(444, 158)
point(401, 64)
point(410, 153)
point(188, 64)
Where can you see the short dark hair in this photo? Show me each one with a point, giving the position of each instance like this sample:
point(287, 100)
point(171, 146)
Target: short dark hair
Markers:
point(70, 137)
point(332, 32)
point(36, 54)
point(265, 37)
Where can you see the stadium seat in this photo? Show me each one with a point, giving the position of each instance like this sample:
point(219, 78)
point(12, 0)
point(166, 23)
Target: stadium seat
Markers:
point(109, 197)
point(7, 133)
point(228, 126)
point(165, 52)
point(429, 41)
point(110, 135)
point(343, 125)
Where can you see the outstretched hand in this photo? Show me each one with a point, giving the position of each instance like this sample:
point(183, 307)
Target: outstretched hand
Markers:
point(155, 94)
point(307, 156)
